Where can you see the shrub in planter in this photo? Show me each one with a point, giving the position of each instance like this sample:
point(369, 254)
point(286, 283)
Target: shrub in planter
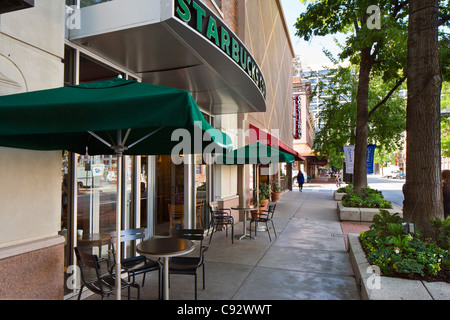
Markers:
point(346, 189)
point(264, 196)
point(401, 254)
point(276, 191)
point(369, 198)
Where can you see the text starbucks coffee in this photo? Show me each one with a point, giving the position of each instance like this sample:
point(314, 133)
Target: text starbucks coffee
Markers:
point(201, 19)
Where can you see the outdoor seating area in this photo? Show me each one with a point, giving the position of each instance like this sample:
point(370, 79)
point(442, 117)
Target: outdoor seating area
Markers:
point(250, 269)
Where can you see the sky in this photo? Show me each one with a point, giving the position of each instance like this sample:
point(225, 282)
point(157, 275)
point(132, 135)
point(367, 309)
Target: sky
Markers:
point(311, 54)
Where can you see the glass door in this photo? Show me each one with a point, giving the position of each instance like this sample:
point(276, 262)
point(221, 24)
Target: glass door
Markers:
point(201, 188)
point(96, 180)
point(170, 196)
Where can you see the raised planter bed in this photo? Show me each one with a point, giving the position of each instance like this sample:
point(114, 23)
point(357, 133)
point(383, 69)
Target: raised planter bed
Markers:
point(359, 214)
point(375, 287)
point(338, 195)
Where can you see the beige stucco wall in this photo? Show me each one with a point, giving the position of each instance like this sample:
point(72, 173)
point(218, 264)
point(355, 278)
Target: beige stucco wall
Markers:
point(261, 27)
point(225, 182)
point(265, 35)
point(31, 58)
point(30, 195)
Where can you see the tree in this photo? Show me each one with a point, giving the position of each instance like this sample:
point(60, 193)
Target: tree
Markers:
point(339, 115)
point(375, 43)
point(445, 120)
point(422, 190)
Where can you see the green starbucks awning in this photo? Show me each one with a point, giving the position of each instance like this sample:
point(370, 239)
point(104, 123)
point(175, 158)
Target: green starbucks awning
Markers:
point(85, 118)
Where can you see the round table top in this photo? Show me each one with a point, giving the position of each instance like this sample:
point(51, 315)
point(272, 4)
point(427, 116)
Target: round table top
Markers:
point(96, 238)
point(165, 247)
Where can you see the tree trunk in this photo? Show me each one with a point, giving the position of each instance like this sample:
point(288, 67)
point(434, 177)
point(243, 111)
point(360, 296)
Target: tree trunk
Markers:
point(422, 190)
point(362, 117)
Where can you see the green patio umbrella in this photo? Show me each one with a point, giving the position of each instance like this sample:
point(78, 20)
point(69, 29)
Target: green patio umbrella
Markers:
point(256, 153)
point(117, 116)
point(89, 115)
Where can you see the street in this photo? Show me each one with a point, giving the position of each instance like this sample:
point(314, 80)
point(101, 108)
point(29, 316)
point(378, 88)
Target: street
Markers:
point(391, 188)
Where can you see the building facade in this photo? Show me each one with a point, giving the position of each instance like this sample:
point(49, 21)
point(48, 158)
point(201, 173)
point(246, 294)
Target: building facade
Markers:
point(304, 128)
point(233, 56)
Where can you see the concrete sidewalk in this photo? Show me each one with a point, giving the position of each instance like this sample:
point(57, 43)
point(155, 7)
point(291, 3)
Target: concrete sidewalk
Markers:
point(308, 260)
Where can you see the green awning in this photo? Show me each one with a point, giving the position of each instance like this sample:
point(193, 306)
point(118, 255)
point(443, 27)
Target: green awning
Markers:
point(77, 118)
point(255, 153)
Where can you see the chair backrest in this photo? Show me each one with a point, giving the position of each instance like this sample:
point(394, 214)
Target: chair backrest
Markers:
point(86, 260)
point(189, 234)
point(271, 210)
point(129, 235)
point(192, 234)
point(176, 213)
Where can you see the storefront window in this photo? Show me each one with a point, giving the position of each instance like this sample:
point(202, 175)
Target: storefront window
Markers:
point(96, 201)
point(202, 193)
point(170, 196)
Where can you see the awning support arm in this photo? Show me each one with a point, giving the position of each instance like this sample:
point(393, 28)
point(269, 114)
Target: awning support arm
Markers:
point(145, 137)
point(99, 138)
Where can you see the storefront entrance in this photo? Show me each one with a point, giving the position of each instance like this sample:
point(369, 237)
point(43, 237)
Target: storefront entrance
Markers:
point(154, 189)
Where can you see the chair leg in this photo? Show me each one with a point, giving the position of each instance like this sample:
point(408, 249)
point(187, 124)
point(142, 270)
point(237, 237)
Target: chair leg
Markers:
point(195, 286)
point(81, 291)
point(273, 227)
point(232, 234)
point(159, 284)
point(268, 231)
point(204, 277)
point(212, 233)
point(138, 288)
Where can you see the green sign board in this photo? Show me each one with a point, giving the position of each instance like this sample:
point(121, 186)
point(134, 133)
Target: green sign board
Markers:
point(200, 18)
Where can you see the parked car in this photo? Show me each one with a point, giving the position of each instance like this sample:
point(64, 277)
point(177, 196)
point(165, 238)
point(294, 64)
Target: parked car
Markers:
point(392, 174)
point(400, 176)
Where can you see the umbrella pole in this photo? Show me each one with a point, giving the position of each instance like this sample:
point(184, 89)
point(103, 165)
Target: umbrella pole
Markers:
point(119, 154)
point(257, 187)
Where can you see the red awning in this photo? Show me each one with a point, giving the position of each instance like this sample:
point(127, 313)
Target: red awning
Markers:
point(258, 135)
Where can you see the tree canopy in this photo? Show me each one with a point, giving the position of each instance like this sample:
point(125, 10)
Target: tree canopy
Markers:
point(339, 115)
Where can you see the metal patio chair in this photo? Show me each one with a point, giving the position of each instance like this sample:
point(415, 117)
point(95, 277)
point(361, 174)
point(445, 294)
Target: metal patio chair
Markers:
point(264, 216)
point(102, 284)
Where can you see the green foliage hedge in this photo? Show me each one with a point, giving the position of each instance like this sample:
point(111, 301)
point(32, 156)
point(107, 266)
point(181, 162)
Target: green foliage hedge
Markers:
point(369, 198)
point(402, 254)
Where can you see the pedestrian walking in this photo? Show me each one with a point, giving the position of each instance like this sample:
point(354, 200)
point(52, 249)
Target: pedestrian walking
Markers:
point(446, 192)
point(301, 180)
point(338, 179)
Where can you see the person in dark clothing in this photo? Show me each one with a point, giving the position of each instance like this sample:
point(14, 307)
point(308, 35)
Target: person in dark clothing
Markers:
point(301, 180)
point(446, 192)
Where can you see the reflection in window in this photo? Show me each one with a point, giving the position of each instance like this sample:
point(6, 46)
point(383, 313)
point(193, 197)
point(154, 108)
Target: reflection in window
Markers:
point(96, 202)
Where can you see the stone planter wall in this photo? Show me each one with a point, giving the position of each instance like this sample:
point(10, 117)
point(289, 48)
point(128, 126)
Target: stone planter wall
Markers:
point(375, 287)
point(359, 214)
point(338, 196)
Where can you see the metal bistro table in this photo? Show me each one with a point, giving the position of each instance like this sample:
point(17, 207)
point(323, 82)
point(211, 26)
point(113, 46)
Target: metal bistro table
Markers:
point(245, 209)
point(95, 240)
point(165, 248)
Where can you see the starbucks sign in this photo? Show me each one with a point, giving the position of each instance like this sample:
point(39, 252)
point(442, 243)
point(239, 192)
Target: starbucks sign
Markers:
point(200, 18)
